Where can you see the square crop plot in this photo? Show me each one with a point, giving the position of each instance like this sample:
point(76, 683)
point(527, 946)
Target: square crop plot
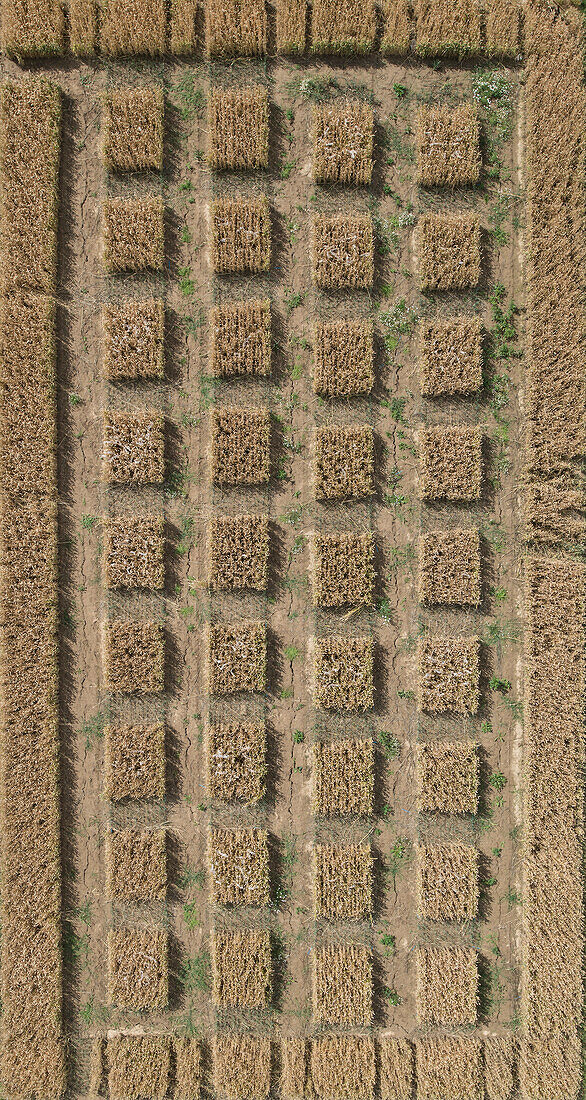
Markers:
point(236, 762)
point(239, 128)
point(134, 344)
point(134, 235)
point(188, 1067)
point(447, 986)
point(240, 338)
point(451, 356)
point(236, 28)
point(241, 446)
point(500, 1062)
point(451, 29)
point(344, 358)
point(133, 129)
point(239, 552)
point(448, 145)
point(343, 570)
point(135, 552)
point(449, 251)
point(126, 29)
point(502, 28)
point(134, 762)
point(342, 26)
point(344, 677)
point(241, 969)
point(134, 448)
point(344, 462)
point(343, 777)
point(342, 149)
point(449, 675)
point(138, 1065)
point(138, 971)
point(447, 882)
point(343, 881)
point(237, 658)
point(242, 1066)
point(396, 1057)
point(450, 567)
point(342, 985)
point(451, 463)
point(450, 1066)
point(135, 657)
point(447, 774)
point(239, 867)
point(241, 236)
point(136, 865)
point(343, 1065)
point(343, 251)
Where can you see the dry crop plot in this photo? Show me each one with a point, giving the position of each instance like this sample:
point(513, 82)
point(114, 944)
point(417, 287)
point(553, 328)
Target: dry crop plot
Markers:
point(128, 28)
point(447, 774)
point(239, 867)
point(241, 969)
point(449, 251)
point(134, 234)
point(134, 448)
point(294, 1067)
point(236, 761)
point(136, 865)
point(500, 1057)
point(451, 463)
point(449, 1066)
point(134, 340)
point(342, 144)
point(343, 1065)
point(240, 236)
point(344, 677)
point(449, 567)
point(343, 777)
point(396, 1059)
point(239, 552)
point(343, 882)
point(32, 28)
point(133, 129)
point(448, 675)
point(342, 26)
point(134, 657)
point(241, 446)
point(138, 1066)
point(240, 338)
point(134, 762)
point(447, 986)
point(344, 462)
point(236, 658)
point(83, 27)
point(344, 358)
point(342, 985)
point(397, 28)
point(447, 28)
point(343, 570)
point(290, 20)
point(239, 128)
point(138, 975)
point(242, 1066)
point(451, 356)
point(447, 882)
point(236, 28)
point(188, 1068)
point(135, 552)
point(448, 146)
point(343, 251)
point(502, 28)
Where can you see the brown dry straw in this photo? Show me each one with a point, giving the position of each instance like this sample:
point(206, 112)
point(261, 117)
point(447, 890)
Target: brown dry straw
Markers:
point(396, 1060)
point(138, 1066)
point(447, 27)
point(343, 570)
point(295, 1068)
point(134, 448)
point(447, 777)
point(554, 510)
point(342, 26)
point(344, 358)
point(290, 18)
point(343, 777)
point(342, 142)
point(188, 1068)
point(236, 657)
point(239, 127)
point(448, 675)
point(343, 251)
point(134, 657)
point(447, 881)
point(448, 145)
point(500, 1059)
point(134, 762)
point(502, 28)
point(449, 1066)
point(451, 463)
point(83, 27)
point(343, 1065)
point(134, 234)
point(239, 552)
point(240, 338)
point(136, 865)
point(135, 552)
point(344, 673)
point(239, 867)
point(451, 356)
point(397, 28)
point(449, 251)
point(241, 235)
point(235, 28)
point(182, 34)
point(241, 445)
point(32, 28)
point(236, 761)
point(342, 881)
point(242, 1066)
point(344, 461)
point(449, 567)
point(447, 986)
point(138, 975)
point(130, 27)
point(241, 969)
point(133, 129)
point(342, 985)
point(134, 335)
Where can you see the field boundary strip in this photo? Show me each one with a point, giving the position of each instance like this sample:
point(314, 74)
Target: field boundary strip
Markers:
point(32, 1055)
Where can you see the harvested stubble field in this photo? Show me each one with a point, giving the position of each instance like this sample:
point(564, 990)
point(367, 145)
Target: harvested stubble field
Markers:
point(293, 395)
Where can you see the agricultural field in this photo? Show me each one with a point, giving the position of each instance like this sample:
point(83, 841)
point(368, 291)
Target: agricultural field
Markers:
point(292, 577)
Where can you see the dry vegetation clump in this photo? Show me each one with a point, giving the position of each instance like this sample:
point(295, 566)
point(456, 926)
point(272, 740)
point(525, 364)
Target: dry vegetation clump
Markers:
point(449, 251)
point(138, 1066)
point(343, 777)
point(138, 974)
point(451, 356)
point(96, 1067)
point(182, 35)
point(239, 867)
point(343, 570)
point(500, 1058)
point(83, 27)
point(448, 675)
point(135, 552)
point(342, 143)
point(343, 1065)
point(30, 153)
point(342, 26)
point(397, 1066)
point(128, 27)
point(449, 27)
point(451, 463)
point(134, 448)
point(447, 882)
point(550, 1066)
point(342, 881)
point(290, 17)
point(241, 446)
point(135, 657)
point(134, 343)
point(344, 677)
point(236, 28)
point(397, 28)
point(241, 969)
point(342, 985)
point(242, 1066)
point(136, 865)
point(240, 338)
point(344, 358)
point(447, 773)
point(134, 234)
point(295, 1068)
point(448, 145)
point(554, 510)
point(134, 762)
point(239, 127)
point(236, 657)
point(343, 251)
point(344, 461)
point(502, 28)
point(236, 761)
point(447, 986)
point(239, 552)
point(449, 567)
point(241, 235)
point(133, 129)
point(188, 1068)
point(32, 28)
point(449, 1066)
